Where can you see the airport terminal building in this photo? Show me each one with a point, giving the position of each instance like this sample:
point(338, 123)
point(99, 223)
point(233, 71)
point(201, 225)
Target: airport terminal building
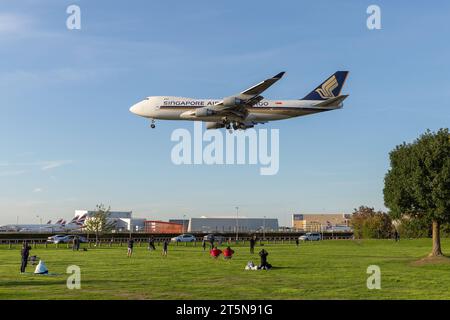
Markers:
point(218, 225)
point(321, 222)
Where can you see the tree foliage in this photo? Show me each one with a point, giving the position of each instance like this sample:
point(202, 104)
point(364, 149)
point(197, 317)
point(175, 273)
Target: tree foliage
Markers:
point(417, 185)
point(368, 223)
point(98, 221)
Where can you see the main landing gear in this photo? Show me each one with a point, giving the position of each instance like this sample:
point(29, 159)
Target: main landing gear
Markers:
point(152, 125)
point(230, 126)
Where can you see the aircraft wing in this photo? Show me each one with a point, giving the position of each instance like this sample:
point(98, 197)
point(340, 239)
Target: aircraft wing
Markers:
point(236, 105)
point(259, 88)
point(248, 97)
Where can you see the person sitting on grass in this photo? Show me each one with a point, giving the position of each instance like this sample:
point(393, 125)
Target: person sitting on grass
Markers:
point(215, 253)
point(264, 264)
point(228, 253)
point(41, 268)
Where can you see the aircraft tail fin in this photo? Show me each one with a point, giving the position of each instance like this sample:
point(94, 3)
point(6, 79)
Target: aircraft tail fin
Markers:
point(330, 88)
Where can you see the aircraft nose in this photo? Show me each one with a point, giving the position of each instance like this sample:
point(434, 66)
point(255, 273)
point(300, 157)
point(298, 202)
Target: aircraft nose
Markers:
point(133, 109)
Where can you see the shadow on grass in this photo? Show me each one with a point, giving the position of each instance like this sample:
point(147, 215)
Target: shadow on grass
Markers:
point(431, 260)
point(37, 283)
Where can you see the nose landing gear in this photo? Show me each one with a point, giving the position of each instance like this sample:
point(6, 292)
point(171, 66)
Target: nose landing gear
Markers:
point(152, 125)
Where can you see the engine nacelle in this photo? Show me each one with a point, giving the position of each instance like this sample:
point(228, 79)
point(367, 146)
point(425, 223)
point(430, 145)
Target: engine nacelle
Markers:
point(203, 112)
point(214, 125)
point(244, 126)
point(232, 101)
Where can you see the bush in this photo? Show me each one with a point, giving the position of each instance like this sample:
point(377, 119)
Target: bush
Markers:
point(368, 223)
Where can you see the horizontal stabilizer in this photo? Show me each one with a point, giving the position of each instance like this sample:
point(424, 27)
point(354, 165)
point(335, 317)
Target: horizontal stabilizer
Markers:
point(332, 102)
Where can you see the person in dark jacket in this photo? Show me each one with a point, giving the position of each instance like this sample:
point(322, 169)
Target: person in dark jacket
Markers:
point(76, 244)
point(252, 245)
point(396, 235)
point(264, 264)
point(151, 244)
point(297, 242)
point(165, 247)
point(25, 253)
point(211, 241)
point(204, 245)
point(130, 247)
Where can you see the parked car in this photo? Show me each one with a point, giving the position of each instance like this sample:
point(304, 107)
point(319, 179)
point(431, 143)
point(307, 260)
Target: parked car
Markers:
point(208, 237)
point(183, 238)
point(56, 238)
point(65, 239)
point(310, 236)
point(69, 238)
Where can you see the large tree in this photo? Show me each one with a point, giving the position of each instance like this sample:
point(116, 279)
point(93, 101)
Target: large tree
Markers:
point(98, 221)
point(417, 185)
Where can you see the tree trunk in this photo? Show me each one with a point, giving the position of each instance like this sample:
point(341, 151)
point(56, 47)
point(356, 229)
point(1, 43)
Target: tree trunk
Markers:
point(436, 240)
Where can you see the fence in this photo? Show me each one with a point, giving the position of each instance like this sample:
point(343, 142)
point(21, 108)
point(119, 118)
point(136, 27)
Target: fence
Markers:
point(143, 241)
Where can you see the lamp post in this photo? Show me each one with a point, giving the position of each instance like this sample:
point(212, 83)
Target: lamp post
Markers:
point(40, 223)
point(237, 224)
point(264, 228)
point(184, 227)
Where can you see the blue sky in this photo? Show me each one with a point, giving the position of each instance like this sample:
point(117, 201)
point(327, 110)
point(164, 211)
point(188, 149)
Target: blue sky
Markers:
point(69, 142)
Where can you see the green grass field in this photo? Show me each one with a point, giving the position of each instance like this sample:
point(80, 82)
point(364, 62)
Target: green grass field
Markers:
point(319, 270)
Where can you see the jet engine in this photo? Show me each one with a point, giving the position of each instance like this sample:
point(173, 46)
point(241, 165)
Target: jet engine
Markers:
point(232, 101)
point(203, 112)
point(214, 125)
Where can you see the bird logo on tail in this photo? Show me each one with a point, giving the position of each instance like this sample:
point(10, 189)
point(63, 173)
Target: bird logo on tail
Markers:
point(326, 90)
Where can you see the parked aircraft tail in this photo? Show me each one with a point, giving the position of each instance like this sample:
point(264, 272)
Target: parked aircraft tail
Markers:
point(330, 88)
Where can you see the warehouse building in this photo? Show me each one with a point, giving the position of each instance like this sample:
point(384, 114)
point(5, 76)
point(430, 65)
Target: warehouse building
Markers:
point(183, 222)
point(153, 226)
point(321, 222)
point(121, 220)
point(208, 225)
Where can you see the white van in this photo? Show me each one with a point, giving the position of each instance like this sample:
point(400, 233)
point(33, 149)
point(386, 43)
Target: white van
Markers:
point(310, 236)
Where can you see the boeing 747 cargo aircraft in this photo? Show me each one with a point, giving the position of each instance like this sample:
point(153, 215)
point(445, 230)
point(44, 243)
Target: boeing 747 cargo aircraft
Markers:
point(246, 109)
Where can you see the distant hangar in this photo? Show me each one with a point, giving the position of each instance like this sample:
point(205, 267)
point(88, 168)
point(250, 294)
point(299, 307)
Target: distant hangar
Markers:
point(208, 225)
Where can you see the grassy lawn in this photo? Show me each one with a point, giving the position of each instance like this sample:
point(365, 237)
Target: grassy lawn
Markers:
point(320, 270)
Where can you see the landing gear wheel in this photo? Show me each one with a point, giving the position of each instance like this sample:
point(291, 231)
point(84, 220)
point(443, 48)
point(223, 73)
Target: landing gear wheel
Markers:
point(235, 126)
point(153, 124)
point(228, 126)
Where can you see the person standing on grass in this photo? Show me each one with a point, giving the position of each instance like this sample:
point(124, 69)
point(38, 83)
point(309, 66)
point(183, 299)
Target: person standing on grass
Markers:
point(204, 245)
point(130, 247)
point(297, 242)
point(165, 247)
point(252, 245)
point(25, 253)
point(212, 241)
point(151, 244)
point(396, 235)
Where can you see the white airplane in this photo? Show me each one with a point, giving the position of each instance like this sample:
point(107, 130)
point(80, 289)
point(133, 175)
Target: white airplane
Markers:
point(246, 109)
point(59, 226)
